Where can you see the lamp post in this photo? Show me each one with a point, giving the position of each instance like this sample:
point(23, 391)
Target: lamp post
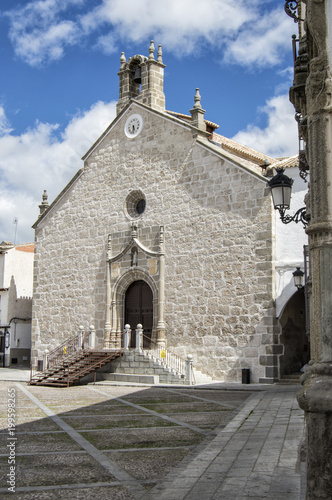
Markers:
point(281, 190)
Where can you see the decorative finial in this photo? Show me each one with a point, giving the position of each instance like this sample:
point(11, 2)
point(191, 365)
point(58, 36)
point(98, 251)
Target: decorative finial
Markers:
point(44, 204)
point(109, 247)
point(161, 240)
point(197, 100)
point(160, 55)
point(122, 60)
point(151, 51)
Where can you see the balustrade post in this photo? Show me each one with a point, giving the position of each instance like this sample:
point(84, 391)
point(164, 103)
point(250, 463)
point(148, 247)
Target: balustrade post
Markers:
point(80, 338)
point(127, 332)
point(189, 369)
point(46, 359)
point(92, 337)
point(139, 337)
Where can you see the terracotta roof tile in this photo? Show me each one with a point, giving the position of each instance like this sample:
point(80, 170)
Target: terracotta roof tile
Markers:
point(25, 247)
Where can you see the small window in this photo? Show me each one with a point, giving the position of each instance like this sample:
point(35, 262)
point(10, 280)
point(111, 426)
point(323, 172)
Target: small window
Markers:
point(135, 204)
point(140, 207)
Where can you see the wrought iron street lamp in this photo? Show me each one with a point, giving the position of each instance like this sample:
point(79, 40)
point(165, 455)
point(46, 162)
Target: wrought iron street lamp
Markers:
point(281, 190)
point(291, 7)
point(298, 278)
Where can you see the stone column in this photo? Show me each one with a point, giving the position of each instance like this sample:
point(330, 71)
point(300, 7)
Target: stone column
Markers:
point(92, 337)
point(107, 331)
point(126, 337)
point(161, 299)
point(316, 395)
point(118, 323)
point(113, 338)
point(189, 369)
point(139, 337)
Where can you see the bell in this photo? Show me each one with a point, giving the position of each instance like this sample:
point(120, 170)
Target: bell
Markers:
point(137, 76)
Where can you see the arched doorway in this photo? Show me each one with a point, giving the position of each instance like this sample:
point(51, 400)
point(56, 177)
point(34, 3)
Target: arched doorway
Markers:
point(294, 338)
point(139, 309)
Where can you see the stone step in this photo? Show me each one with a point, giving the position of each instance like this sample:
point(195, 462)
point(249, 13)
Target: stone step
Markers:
point(292, 378)
point(201, 379)
point(137, 364)
point(132, 378)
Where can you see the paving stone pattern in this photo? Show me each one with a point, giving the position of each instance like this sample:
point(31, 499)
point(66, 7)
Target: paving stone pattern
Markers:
point(122, 443)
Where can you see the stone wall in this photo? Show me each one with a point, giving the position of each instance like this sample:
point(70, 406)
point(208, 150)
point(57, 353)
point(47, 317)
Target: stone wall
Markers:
point(219, 246)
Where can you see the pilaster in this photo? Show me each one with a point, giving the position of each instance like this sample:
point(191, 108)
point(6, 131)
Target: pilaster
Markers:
point(316, 396)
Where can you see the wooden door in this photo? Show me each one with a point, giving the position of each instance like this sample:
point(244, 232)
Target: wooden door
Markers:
point(139, 309)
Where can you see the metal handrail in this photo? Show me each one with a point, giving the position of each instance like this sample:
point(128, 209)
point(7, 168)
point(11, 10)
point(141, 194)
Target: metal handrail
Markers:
point(72, 346)
point(65, 351)
point(166, 357)
point(71, 371)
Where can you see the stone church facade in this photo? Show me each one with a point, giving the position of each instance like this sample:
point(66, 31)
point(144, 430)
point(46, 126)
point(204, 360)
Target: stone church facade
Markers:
point(168, 224)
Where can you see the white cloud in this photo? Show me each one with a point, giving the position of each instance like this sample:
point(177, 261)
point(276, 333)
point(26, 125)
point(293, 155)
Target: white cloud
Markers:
point(262, 42)
point(180, 25)
point(38, 160)
point(38, 33)
point(4, 124)
point(243, 32)
point(46, 45)
point(280, 137)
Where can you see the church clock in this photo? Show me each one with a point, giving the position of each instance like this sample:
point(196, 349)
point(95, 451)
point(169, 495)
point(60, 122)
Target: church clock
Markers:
point(133, 126)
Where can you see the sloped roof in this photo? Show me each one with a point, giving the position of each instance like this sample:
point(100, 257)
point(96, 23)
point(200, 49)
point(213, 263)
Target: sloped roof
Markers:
point(22, 247)
point(289, 161)
point(25, 247)
point(244, 152)
point(188, 118)
point(250, 156)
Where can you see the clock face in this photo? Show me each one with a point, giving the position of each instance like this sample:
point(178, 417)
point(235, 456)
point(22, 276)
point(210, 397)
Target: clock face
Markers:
point(133, 126)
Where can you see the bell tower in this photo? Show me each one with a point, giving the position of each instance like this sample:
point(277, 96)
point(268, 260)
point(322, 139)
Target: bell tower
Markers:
point(142, 78)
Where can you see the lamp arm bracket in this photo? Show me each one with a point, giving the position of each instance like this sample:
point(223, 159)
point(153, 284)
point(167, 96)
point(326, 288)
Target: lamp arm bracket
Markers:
point(291, 9)
point(299, 216)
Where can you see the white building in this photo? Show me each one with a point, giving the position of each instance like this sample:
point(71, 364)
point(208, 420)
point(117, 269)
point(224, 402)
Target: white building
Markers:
point(16, 280)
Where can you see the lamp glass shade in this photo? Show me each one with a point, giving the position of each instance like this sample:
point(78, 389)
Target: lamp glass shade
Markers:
point(281, 196)
point(298, 278)
point(281, 189)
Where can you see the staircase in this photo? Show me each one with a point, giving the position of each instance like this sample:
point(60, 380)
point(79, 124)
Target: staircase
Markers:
point(143, 367)
point(73, 368)
point(71, 361)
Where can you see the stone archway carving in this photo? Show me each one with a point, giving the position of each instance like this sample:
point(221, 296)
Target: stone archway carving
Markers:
point(118, 301)
point(116, 291)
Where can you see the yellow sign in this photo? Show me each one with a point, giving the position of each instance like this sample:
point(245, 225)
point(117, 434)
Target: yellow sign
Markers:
point(163, 353)
point(65, 350)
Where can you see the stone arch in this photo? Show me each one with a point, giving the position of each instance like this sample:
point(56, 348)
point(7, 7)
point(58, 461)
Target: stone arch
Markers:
point(296, 348)
point(118, 299)
point(128, 277)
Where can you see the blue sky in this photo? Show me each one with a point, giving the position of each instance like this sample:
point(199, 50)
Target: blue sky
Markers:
point(59, 83)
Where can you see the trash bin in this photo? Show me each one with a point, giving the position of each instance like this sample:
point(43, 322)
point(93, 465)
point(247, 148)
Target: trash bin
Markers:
point(245, 375)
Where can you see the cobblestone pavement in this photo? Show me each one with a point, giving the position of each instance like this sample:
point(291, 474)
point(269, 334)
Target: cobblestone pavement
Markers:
point(168, 443)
